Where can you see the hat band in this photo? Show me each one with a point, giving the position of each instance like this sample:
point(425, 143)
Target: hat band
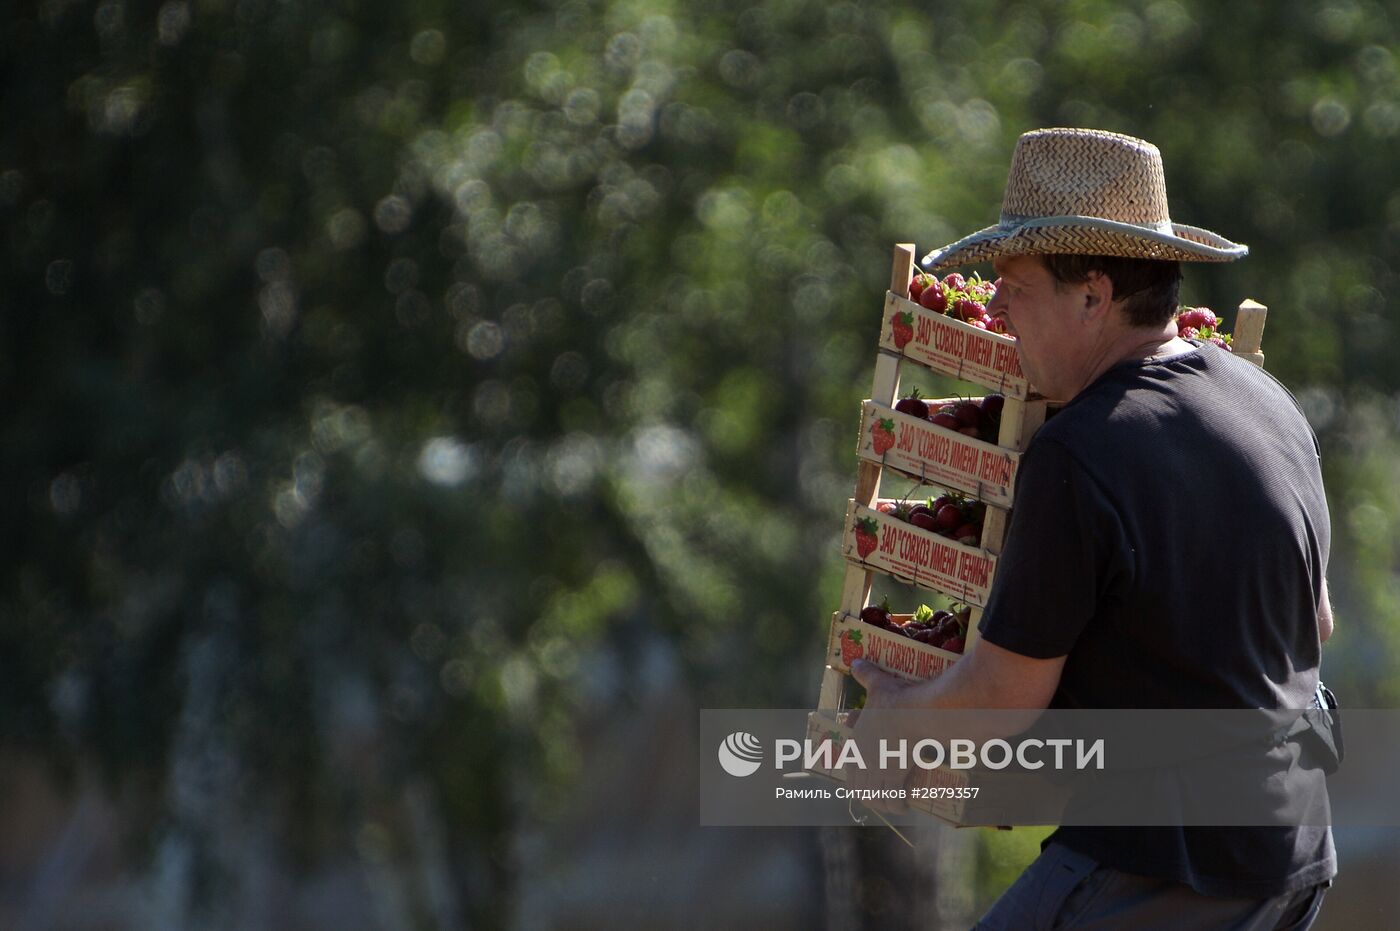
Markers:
point(1011, 222)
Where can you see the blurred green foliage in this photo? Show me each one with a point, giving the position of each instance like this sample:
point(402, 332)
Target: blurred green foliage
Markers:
point(452, 362)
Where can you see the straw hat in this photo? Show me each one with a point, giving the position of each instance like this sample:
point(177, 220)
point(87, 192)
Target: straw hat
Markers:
point(1086, 192)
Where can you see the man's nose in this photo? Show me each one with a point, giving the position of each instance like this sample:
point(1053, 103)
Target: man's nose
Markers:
point(997, 303)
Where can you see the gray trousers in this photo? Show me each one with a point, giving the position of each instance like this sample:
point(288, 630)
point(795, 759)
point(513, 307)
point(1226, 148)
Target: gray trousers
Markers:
point(1063, 889)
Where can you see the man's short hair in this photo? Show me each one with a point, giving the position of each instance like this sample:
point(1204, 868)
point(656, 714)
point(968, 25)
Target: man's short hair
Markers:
point(1148, 288)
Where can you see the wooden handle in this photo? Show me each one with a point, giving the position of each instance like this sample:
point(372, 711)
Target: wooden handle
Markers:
point(1249, 330)
point(903, 269)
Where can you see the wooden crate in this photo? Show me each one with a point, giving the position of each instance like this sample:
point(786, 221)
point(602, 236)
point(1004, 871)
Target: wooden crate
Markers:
point(916, 448)
point(854, 639)
point(919, 557)
point(951, 347)
point(1020, 417)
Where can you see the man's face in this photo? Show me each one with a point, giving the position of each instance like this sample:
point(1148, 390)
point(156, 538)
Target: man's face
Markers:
point(1047, 321)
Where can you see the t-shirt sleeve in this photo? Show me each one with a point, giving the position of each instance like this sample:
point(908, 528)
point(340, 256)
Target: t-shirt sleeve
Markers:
point(1065, 550)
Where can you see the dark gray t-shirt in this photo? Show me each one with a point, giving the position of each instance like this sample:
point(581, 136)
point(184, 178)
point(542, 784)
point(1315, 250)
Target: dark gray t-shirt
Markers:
point(1170, 536)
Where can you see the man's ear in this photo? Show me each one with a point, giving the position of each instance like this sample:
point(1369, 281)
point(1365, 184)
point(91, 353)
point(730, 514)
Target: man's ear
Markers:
point(1098, 296)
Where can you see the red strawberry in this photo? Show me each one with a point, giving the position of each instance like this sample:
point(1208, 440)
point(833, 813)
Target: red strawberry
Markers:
point(950, 627)
point(954, 644)
point(1213, 335)
point(933, 296)
point(969, 413)
point(967, 310)
point(878, 615)
point(882, 435)
point(980, 323)
point(885, 507)
point(946, 420)
point(998, 325)
point(851, 648)
point(1189, 332)
point(913, 406)
point(917, 284)
point(902, 328)
point(955, 282)
point(1197, 317)
point(924, 521)
point(949, 517)
point(967, 534)
point(866, 539)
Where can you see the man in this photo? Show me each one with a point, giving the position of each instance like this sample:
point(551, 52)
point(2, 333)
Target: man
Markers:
point(1168, 543)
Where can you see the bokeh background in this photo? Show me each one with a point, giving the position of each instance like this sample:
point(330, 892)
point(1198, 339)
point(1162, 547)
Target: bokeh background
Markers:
point(415, 412)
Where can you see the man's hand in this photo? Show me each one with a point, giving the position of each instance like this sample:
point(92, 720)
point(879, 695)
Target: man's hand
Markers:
point(883, 692)
point(988, 678)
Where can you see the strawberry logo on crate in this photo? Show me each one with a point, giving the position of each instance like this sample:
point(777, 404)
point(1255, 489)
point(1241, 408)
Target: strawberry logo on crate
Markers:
point(882, 434)
point(902, 328)
point(827, 749)
point(867, 536)
point(851, 649)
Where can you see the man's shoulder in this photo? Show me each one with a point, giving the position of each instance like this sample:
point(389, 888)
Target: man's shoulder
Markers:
point(1206, 404)
point(1141, 394)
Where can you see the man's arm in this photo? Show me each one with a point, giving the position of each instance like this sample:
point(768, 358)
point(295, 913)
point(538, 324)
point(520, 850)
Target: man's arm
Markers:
point(988, 677)
point(1324, 615)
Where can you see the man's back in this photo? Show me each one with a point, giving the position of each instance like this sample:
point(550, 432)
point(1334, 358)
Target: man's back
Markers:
point(1174, 516)
point(1170, 534)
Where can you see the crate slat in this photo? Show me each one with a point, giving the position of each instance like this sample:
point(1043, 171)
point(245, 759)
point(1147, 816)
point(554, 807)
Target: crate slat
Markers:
point(902, 269)
point(918, 557)
point(931, 454)
point(832, 690)
point(894, 653)
point(950, 347)
point(1248, 337)
point(1019, 421)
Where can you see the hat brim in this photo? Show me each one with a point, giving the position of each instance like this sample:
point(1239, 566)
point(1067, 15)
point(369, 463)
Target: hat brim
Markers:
point(1086, 236)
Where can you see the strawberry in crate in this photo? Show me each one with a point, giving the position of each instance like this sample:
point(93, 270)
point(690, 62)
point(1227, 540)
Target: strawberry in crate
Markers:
point(957, 297)
point(950, 515)
point(976, 418)
point(1202, 323)
point(943, 628)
